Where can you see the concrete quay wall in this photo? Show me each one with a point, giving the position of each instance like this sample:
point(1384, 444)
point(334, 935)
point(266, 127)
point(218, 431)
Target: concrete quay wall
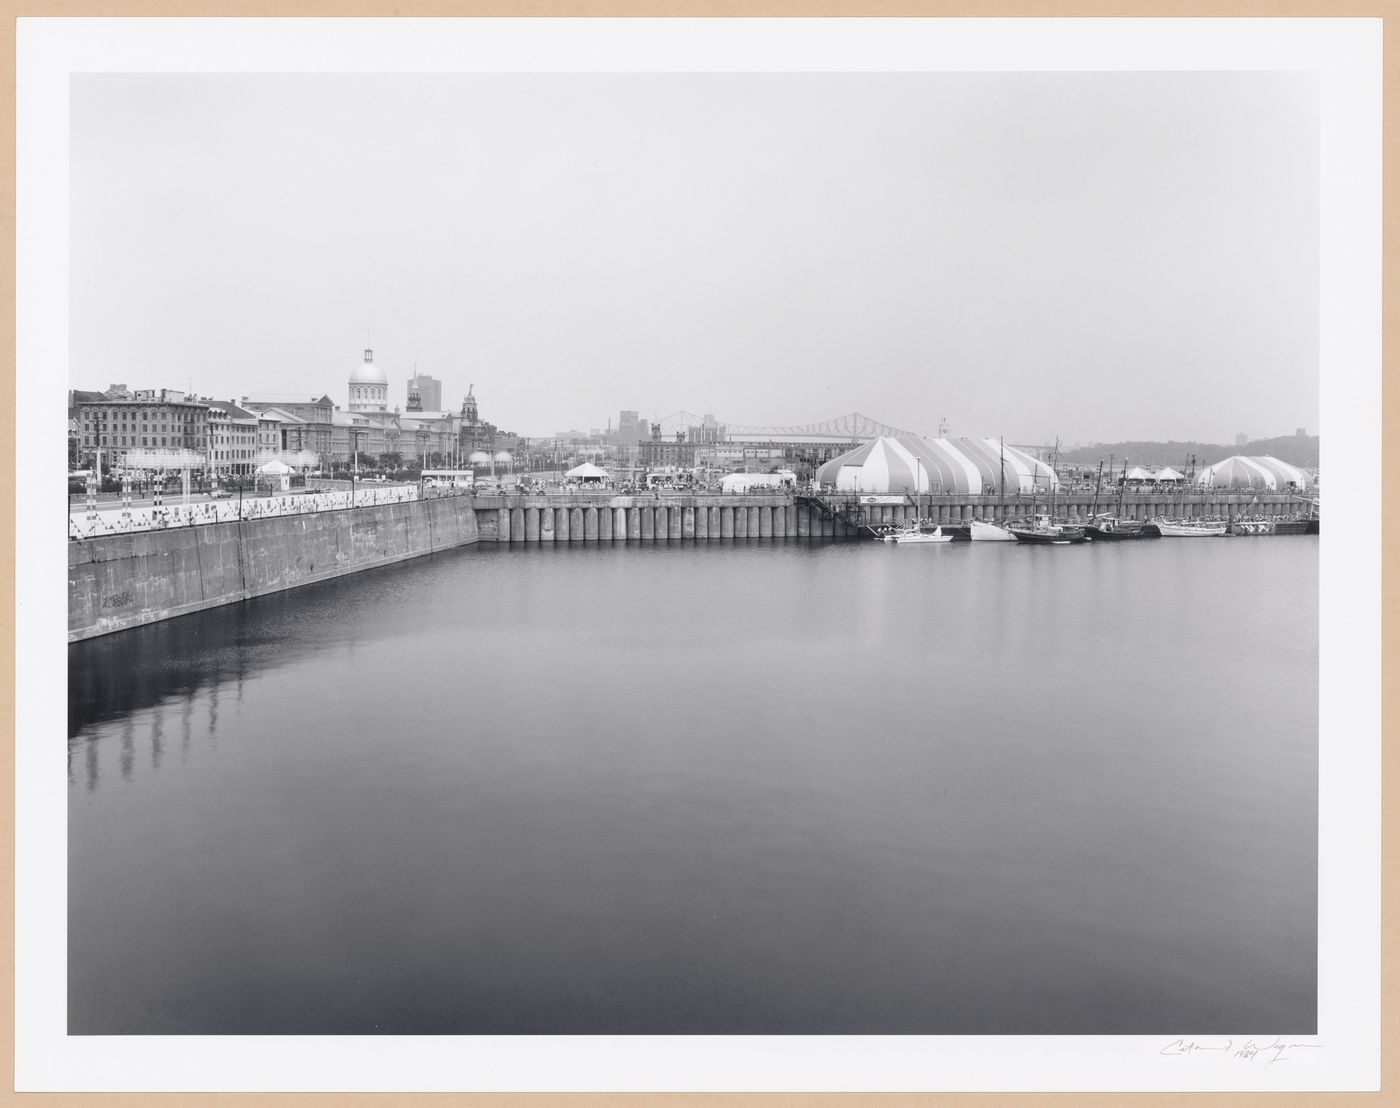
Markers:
point(121, 581)
point(599, 517)
point(125, 580)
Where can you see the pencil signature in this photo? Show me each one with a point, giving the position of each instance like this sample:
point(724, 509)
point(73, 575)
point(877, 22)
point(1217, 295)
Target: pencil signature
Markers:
point(1247, 1050)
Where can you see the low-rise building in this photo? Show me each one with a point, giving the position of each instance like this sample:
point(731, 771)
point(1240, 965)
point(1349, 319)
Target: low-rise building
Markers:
point(304, 423)
point(233, 438)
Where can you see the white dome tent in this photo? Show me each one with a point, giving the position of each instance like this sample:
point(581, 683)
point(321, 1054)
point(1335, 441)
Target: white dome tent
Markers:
point(1262, 473)
point(906, 464)
point(587, 473)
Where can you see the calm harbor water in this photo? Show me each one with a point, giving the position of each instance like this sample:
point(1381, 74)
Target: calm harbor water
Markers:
point(727, 788)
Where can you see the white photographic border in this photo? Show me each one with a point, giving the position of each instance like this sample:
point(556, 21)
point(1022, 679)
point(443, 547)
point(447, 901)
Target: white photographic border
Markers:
point(1343, 1056)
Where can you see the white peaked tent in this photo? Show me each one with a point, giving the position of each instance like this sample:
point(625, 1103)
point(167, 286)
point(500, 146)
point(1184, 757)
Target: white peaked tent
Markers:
point(587, 472)
point(1166, 473)
point(275, 476)
point(744, 482)
point(1137, 473)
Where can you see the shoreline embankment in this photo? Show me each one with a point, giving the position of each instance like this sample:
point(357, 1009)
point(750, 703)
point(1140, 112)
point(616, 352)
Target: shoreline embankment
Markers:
point(125, 580)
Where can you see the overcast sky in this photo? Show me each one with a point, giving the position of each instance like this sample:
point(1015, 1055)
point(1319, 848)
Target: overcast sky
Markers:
point(1090, 256)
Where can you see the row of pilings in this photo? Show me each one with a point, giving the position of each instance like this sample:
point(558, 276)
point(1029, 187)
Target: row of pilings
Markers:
point(601, 517)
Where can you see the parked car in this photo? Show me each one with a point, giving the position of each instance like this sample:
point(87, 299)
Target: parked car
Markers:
point(219, 494)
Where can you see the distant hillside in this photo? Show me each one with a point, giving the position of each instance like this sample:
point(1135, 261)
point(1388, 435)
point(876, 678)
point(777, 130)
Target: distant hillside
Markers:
point(1294, 449)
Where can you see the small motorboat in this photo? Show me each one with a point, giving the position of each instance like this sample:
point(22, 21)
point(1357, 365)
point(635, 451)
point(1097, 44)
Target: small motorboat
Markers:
point(916, 534)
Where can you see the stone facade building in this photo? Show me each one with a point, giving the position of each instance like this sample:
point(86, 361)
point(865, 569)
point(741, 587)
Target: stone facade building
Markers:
point(151, 419)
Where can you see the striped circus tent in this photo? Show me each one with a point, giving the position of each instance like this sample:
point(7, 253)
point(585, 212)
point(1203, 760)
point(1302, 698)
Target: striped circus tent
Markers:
point(1239, 472)
point(890, 464)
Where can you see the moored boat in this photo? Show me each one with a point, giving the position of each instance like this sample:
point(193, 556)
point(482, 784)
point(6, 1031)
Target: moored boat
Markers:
point(936, 535)
point(990, 532)
point(1112, 529)
point(1188, 528)
point(1044, 531)
point(914, 532)
point(1269, 525)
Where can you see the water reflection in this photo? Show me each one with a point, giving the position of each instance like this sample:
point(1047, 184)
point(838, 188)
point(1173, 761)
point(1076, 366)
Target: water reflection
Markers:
point(115, 675)
point(90, 747)
point(157, 745)
point(734, 788)
point(128, 756)
point(186, 718)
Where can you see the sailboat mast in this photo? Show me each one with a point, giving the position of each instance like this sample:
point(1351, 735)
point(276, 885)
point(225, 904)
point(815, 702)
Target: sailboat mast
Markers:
point(1098, 484)
point(1003, 478)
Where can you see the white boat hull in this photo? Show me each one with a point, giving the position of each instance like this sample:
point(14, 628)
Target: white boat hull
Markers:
point(923, 538)
point(1188, 530)
point(990, 532)
point(916, 534)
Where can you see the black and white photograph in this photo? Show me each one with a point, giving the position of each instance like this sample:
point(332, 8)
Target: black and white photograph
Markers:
point(714, 541)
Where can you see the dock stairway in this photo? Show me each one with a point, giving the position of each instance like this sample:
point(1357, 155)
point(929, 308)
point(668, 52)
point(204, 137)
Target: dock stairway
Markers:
point(833, 511)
